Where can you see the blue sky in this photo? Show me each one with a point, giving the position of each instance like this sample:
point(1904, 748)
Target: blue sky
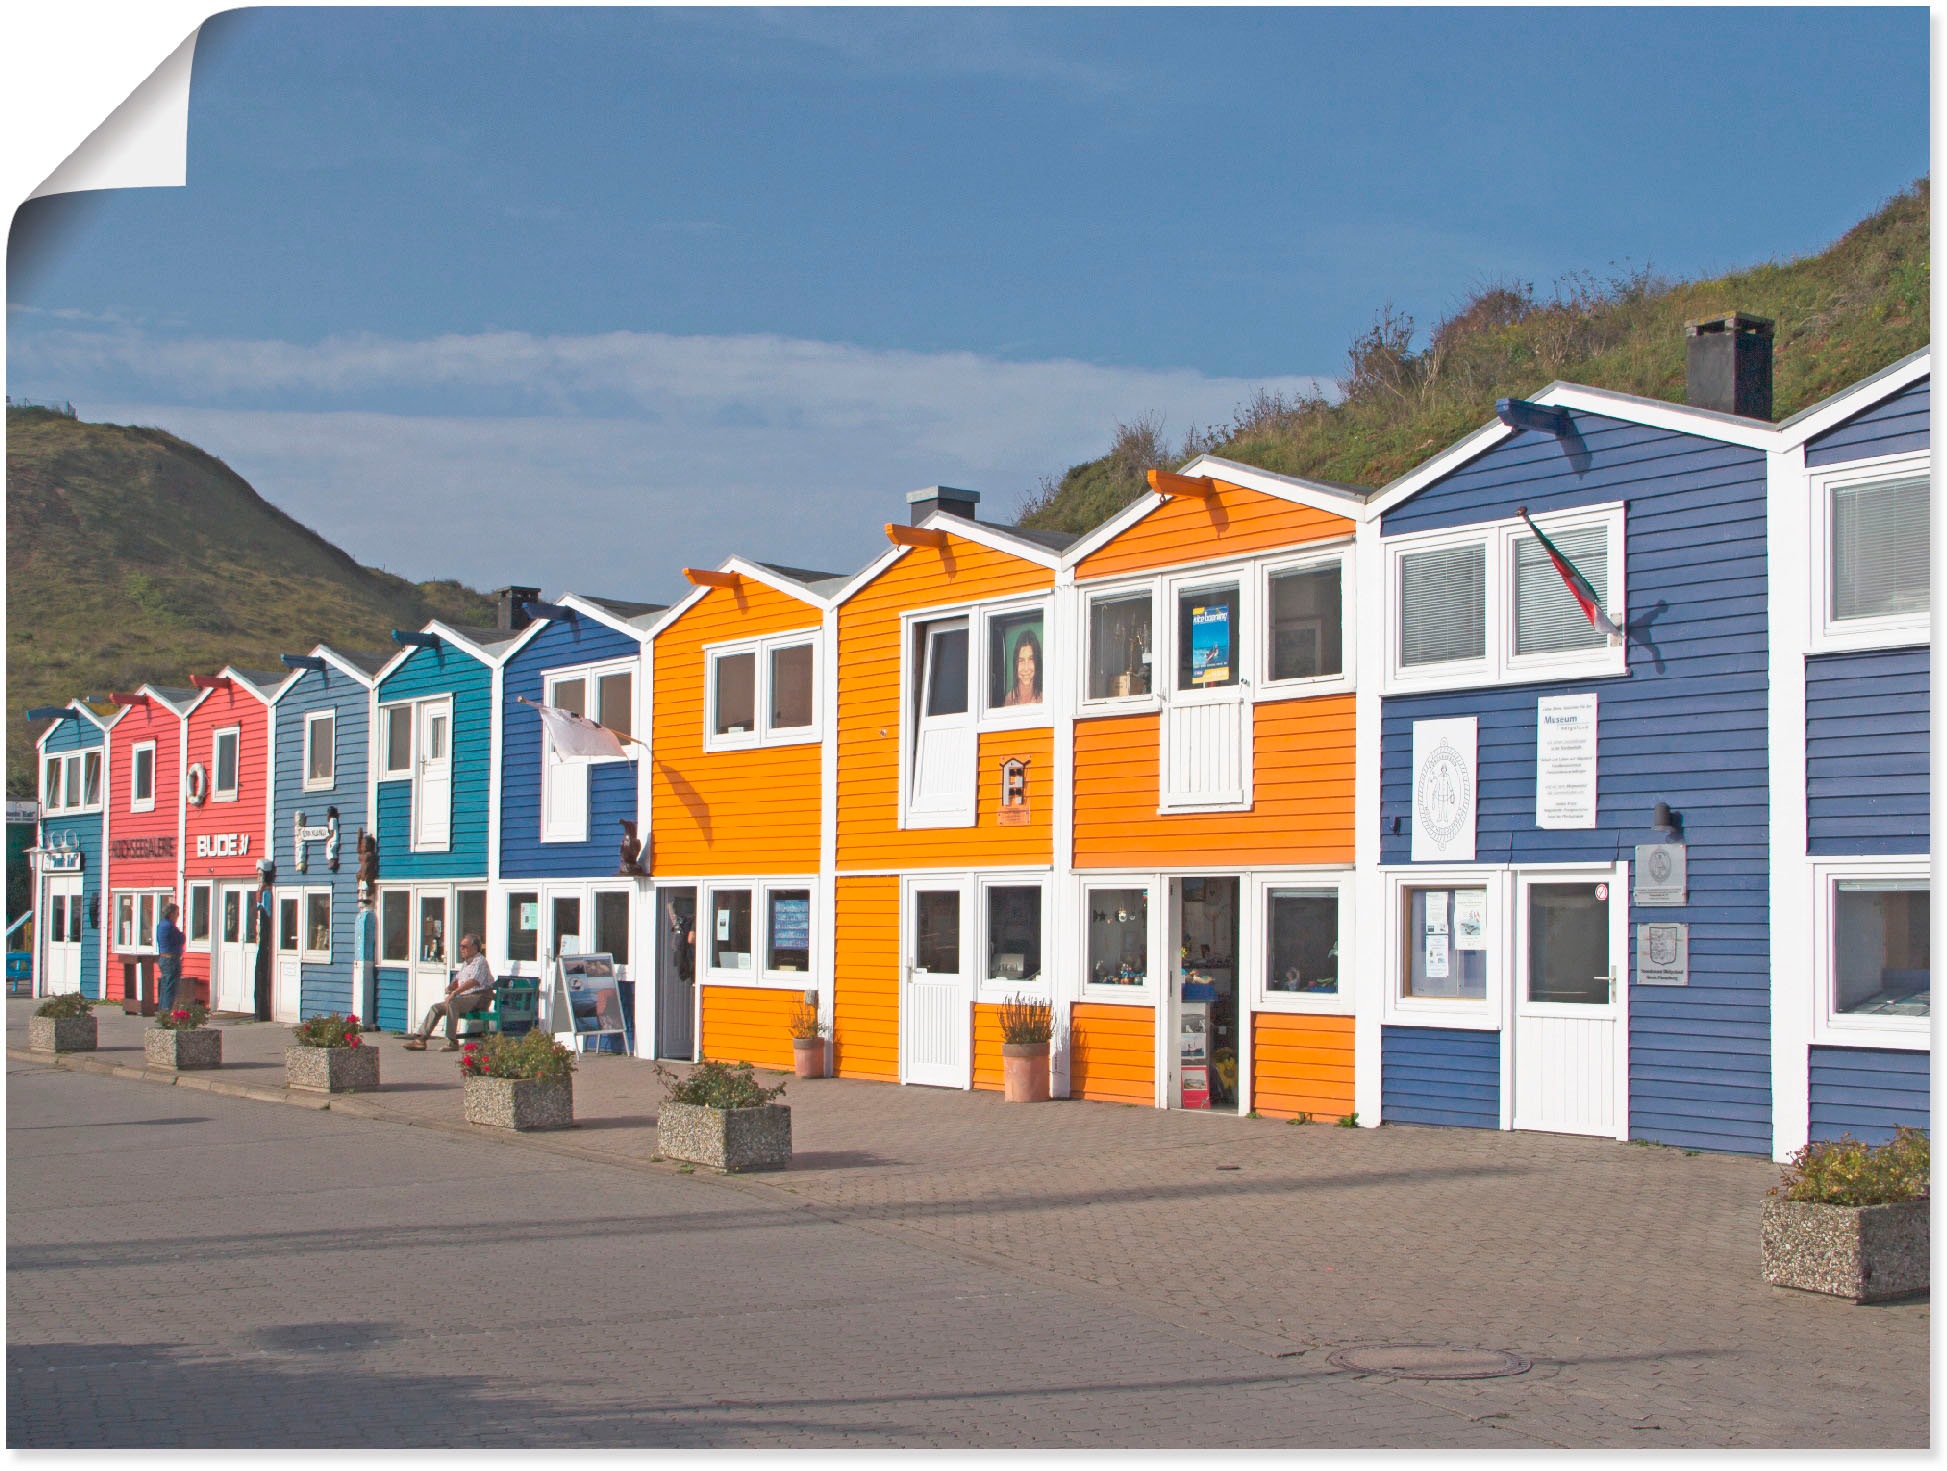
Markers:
point(702, 281)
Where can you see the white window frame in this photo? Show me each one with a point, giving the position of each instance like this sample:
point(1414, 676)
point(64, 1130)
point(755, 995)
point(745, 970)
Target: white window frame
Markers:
point(707, 968)
point(403, 770)
point(1156, 940)
point(1831, 1027)
point(1116, 592)
point(758, 974)
point(190, 942)
point(1255, 942)
point(1484, 1015)
point(73, 767)
point(101, 793)
point(312, 721)
point(144, 937)
point(1831, 635)
point(762, 735)
point(235, 733)
point(995, 989)
point(989, 716)
point(592, 675)
point(304, 898)
point(405, 894)
point(1499, 664)
point(135, 753)
point(575, 828)
point(1267, 688)
point(760, 920)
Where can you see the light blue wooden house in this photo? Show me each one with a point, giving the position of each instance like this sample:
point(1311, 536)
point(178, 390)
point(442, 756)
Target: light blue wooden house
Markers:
point(70, 852)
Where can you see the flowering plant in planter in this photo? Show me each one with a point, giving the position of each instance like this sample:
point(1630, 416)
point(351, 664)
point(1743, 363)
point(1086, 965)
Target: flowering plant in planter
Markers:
point(1027, 1035)
point(331, 1030)
point(64, 1023)
point(67, 1004)
point(1026, 1020)
point(720, 1115)
point(183, 1018)
point(1852, 1219)
point(1846, 1172)
point(718, 1085)
point(534, 1054)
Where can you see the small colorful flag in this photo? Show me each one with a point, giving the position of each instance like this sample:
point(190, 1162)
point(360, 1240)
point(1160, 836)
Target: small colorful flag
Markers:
point(1579, 587)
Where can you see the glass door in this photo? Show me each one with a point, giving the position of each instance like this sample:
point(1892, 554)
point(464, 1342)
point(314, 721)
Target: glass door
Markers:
point(432, 960)
point(1570, 999)
point(936, 1017)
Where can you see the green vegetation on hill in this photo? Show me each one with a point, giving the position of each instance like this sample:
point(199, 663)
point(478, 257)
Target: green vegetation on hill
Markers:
point(135, 557)
point(1841, 315)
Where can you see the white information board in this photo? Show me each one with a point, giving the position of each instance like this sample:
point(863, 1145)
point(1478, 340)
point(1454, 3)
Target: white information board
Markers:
point(584, 1000)
point(1565, 746)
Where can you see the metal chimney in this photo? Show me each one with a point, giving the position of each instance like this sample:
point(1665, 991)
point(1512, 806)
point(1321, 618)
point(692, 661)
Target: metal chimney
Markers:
point(511, 616)
point(1729, 363)
point(924, 503)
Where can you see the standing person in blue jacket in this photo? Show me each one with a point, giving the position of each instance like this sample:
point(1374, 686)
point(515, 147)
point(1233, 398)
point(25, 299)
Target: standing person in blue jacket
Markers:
point(169, 940)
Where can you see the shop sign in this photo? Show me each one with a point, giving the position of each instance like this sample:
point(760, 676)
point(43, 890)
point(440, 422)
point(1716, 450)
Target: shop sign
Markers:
point(1013, 808)
point(1662, 954)
point(304, 833)
point(1443, 790)
point(222, 845)
point(1565, 761)
point(160, 845)
point(1662, 877)
point(62, 862)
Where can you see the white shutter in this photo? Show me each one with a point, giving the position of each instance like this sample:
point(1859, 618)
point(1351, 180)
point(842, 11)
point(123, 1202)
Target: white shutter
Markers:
point(564, 797)
point(1879, 549)
point(1547, 619)
point(1443, 605)
point(1206, 754)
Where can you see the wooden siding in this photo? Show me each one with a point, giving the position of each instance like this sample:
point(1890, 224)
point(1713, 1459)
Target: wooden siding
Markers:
point(429, 673)
point(1235, 522)
point(1867, 760)
point(871, 669)
point(1893, 426)
point(561, 643)
point(1112, 1053)
point(1302, 800)
point(738, 812)
point(1301, 1064)
point(865, 995)
point(749, 1024)
point(987, 1047)
point(1688, 725)
point(1440, 1075)
point(392, 995)
point(249, 813)
point(324, 987)
point(1867, 1092)
point(80, 734)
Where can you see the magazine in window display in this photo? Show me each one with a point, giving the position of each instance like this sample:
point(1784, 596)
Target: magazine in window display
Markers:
point(1210, 644)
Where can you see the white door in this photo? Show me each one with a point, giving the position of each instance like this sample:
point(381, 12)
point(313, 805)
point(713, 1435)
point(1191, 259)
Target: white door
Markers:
point(234, 986)
point(1570, 1074)
point(287, 980)
point(944, 739)
point(936, 1013)
point(61, 926)
point(1205, 731)
point(432, 797)
point(432, 951)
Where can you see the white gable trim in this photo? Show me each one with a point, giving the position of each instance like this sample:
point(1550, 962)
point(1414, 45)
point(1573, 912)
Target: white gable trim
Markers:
point(601, 615)
point(1110, 529)
point(1808, 424)
point(243, 681)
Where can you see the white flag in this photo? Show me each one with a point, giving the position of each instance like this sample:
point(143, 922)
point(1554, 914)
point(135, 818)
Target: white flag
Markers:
point(576, 735)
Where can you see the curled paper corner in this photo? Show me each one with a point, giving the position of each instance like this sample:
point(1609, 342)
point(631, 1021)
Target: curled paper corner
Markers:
point(143, 144)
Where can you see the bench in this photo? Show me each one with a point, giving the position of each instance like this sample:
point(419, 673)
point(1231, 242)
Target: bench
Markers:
point(515, 1009)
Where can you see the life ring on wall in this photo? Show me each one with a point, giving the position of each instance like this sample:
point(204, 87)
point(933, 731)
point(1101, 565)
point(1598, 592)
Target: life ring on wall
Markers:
point(199, 784)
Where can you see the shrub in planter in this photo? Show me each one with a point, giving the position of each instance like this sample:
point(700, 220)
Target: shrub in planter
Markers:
point(1851, 1219)
point(525, 1082)
point(1027, 1036)
point(330, 1056)
point(64, 1023)
point(808, 1038)
point(721, 1116)
point(179, 1040)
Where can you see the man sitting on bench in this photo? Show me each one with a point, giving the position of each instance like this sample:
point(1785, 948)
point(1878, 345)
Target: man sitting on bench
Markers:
point(471, 989)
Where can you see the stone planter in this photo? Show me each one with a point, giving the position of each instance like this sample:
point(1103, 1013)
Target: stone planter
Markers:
point(1864, 1252)
point(183, 1048)
point(1024, 1072)
point(61, 1033)
point(526, 1104)
point(808, 1057)
point(332, 1069)
point(729, 1139)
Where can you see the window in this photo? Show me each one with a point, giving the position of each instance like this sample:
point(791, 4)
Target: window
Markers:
point(612, 924)
point(54, 784)
point(199, 917)
point(1873, 938)
point(317, 925)
point(124, 921)
point(1306, 614)
point(1119, 643)
point(1208, 637)
point(787, 932)
point(320, 750)
point(395, 926)
point(287, 935)
point(396, 760)
point(223, 765)
point(137, 913)
point(605, 696)
point(763, 692)
point(1016, 662)
point(1486, 604)
point(936, 931)
point(565, 925)
point(1013, 933)
point(91, 779)
point(730, 929)
point(148, 912)
point(1302, 942)
point(141, 781)
point(793, 701)
point(1443, 946)
point(1118, 937)
point(524, 926)
point(71, 782)
point(1870, 540)
point(470, 915)
point(432, 929)
point(734, 704)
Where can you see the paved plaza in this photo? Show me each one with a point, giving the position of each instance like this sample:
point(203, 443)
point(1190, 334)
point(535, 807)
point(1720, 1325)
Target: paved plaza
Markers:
point(212, 1263)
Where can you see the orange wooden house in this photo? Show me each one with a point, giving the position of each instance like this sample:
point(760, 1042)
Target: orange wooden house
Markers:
point(945, 794)
point(741, 709)
point(1213, 778)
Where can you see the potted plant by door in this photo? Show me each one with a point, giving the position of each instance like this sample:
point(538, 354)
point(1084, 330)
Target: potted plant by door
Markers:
point(1851, 1219)
point(64, 1023)
point(524, 1083)
point(180, 1041)
point(721, 1116)
point(1027, 1033)
point(329, 1056)
point(808, 1038)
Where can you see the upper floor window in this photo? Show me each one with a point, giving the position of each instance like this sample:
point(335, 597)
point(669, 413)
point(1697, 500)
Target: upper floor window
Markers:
point(1487, 604)
point(1016, 662)
point(762, 693)
point(1208, 636)
point(395, 757)
point(141, 779)
point(603, 695)
point(320, 750)
point(223, 764)
point(71, 782)
point(1871, 534)
point(1120, 641)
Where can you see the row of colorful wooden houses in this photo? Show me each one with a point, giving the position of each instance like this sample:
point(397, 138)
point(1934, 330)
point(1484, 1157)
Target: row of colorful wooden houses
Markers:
point(1291, 797)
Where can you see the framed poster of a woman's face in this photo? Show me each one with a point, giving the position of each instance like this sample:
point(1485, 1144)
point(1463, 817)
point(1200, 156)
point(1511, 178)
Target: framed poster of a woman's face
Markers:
point(1015, 660)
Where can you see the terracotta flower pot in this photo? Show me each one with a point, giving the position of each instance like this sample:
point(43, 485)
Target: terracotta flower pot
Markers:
point(1024, 1072)
point(808, 1057)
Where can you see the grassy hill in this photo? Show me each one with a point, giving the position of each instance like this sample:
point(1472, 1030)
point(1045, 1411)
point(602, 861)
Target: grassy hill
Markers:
point(133, 556)
point(1841, 315)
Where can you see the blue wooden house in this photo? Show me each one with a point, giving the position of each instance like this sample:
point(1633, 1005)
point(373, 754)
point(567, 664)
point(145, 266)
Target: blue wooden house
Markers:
point(321, 747)
point(561, 886)
point(1574, 829)
point(435, 759)
point(1849, 740)
point(70, 852)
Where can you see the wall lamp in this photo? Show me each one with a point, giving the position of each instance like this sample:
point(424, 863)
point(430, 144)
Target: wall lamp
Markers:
point(1666, 820)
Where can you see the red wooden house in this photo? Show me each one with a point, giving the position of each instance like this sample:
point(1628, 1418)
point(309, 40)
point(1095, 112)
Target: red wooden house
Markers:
point(145, 815)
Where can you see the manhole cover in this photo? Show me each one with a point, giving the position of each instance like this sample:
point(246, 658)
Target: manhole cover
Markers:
point(1429, 1361)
